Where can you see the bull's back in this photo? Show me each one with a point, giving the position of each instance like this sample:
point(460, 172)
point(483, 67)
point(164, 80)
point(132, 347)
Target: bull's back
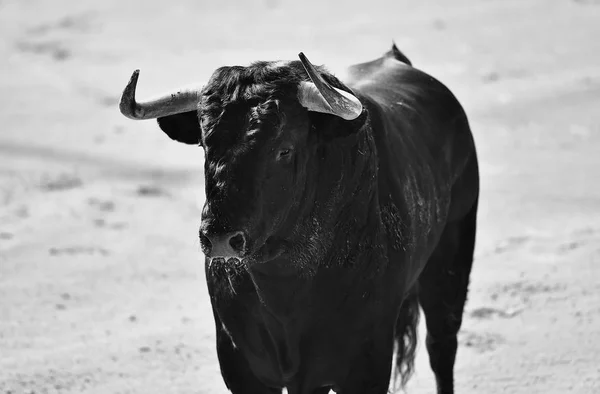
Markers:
point(414, 110)
point(427, 164)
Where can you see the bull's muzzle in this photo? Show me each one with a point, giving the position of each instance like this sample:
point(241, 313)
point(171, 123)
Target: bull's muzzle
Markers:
point(226, 246)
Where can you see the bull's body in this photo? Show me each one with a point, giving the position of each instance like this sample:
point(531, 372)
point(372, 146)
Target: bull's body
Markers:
point(368, 214)
point(335, 327)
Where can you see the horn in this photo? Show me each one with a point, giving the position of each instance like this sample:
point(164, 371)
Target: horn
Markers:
point(319, 96)
point(183, 100)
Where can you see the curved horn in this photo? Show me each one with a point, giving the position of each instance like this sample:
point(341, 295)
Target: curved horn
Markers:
point(319, 96)
point(183, 100)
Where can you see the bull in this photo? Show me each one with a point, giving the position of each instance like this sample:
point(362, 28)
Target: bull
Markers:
point(333, 210)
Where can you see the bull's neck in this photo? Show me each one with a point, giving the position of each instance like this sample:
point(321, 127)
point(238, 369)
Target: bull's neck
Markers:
point(357, 219)
point(346, 211)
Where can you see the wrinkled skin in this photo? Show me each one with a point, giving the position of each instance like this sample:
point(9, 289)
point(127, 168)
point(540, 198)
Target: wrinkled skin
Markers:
point(341, 220)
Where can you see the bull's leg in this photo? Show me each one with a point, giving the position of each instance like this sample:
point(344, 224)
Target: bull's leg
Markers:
point(235, 370)
point(443, 287)
point(320, 390)
point(371, 371)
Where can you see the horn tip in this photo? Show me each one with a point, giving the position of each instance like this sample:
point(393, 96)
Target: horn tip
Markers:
point(127, 103)
point(134, 77)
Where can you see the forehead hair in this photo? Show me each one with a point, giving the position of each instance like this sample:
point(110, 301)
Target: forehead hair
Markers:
point(238, 100)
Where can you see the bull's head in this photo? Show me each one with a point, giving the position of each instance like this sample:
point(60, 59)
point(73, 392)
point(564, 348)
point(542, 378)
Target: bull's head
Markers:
point(261, 128)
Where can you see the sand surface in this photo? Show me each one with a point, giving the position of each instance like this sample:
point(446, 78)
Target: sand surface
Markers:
point(101, 280)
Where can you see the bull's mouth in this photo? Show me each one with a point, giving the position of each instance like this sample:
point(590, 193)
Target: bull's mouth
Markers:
point(222, 260)
point(272, 248)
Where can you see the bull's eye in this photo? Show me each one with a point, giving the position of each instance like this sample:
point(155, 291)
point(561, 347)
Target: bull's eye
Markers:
point(283, 153)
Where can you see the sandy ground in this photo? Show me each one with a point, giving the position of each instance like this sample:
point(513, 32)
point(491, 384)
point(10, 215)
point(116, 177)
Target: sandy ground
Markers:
point(101, 278)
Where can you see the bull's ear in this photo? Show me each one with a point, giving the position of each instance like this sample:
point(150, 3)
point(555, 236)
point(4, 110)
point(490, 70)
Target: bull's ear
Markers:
point(183, 127)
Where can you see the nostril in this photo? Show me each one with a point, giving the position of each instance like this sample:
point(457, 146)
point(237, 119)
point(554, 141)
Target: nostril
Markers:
point(205, 243)
point(238, 242)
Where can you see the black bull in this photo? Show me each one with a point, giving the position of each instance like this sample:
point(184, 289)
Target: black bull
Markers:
point(324, 233)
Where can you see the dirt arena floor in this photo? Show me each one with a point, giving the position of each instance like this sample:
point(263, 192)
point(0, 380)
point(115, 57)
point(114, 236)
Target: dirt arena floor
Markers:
point(101, 277)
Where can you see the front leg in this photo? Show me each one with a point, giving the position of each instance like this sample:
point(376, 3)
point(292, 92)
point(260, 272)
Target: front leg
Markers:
point(235, 370)
point(370, 373)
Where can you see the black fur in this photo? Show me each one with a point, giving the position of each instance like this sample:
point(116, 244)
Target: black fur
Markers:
point(356, 226)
